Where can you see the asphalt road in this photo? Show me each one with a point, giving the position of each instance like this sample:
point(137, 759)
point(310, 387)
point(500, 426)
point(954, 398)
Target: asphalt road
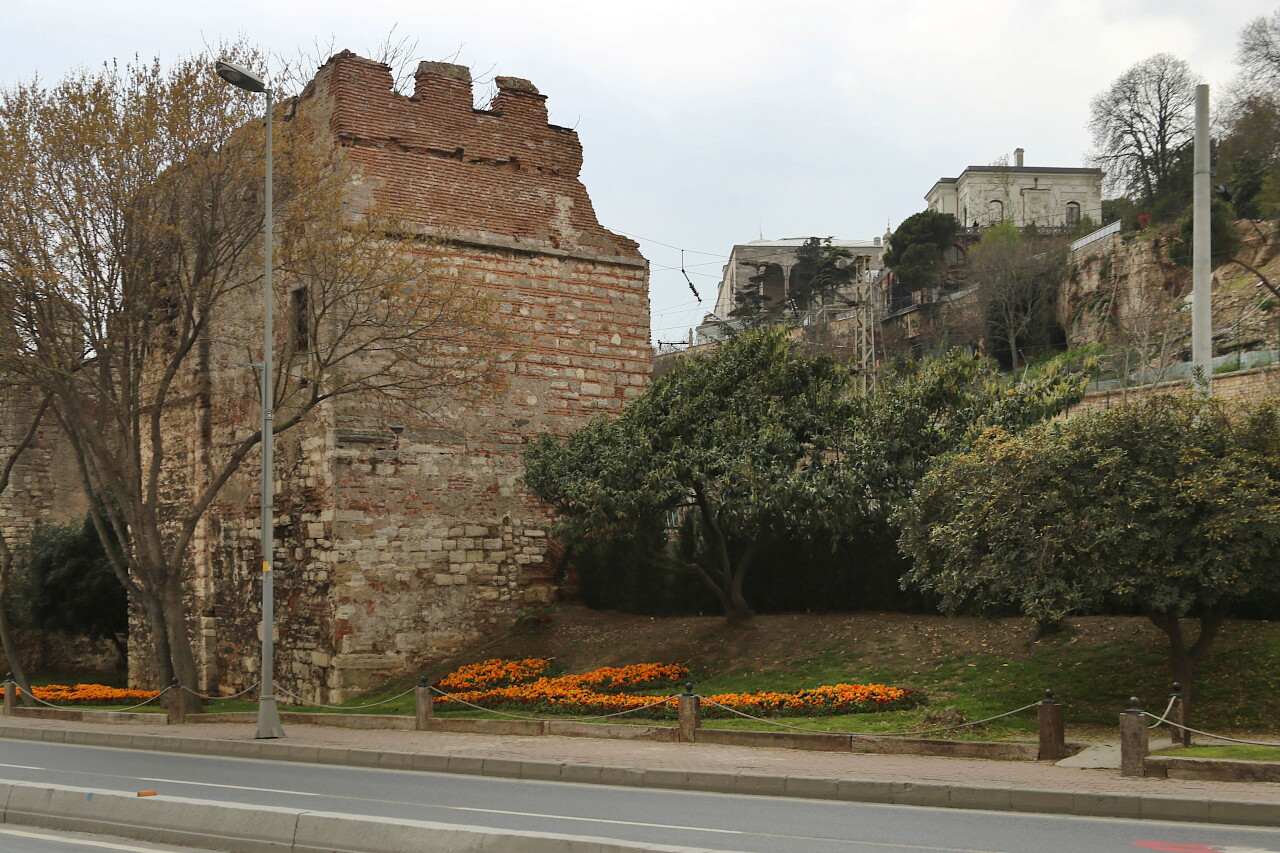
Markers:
point(718, 821)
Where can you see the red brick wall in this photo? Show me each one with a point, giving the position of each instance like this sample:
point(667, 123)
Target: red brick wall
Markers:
point(396, 549)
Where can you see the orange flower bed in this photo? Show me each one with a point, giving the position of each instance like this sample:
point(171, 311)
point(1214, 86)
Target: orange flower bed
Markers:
point(493, 673)
point(91, 694)
point(498, 685)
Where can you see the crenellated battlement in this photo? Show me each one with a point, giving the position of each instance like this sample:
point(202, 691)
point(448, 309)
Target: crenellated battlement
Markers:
point(502, 174)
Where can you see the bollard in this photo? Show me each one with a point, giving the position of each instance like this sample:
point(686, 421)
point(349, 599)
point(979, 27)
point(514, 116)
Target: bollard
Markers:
point(1178, 716)
point(1133, 740)
point(10, 695)
point(690, 713)
point(177, 704)
point(1053, 742)
point(424, 705)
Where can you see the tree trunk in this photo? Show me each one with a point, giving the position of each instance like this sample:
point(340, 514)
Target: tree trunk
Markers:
point(160, 641)
point(180, 650)
point(1184, 658)
point(736, 610)
point(122, 651)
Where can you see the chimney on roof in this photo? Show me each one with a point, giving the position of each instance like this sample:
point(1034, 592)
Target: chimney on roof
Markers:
point(1017, 157)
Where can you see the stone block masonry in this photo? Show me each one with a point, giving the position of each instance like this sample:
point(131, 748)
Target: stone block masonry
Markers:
point(398, 544)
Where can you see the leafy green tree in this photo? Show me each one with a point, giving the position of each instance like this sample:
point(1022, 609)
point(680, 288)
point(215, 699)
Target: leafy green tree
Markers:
point(1170, 505)
point(916, 252)
point(920, 411)
point(740, 444)
point(1224, 238)
point(753, 447)
point(821, 271)
point(65, 584)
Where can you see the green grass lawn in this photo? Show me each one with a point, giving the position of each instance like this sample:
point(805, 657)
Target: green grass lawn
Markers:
point(1235, 752)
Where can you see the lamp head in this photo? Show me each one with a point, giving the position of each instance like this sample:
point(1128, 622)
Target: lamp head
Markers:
point(240, 77)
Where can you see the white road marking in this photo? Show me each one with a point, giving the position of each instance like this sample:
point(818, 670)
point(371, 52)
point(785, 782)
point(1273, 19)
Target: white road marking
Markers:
point(85, 842)
point(22, 767)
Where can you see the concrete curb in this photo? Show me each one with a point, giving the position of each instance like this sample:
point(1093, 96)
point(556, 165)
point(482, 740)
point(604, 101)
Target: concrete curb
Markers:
point(993, 798)
point(267, 829)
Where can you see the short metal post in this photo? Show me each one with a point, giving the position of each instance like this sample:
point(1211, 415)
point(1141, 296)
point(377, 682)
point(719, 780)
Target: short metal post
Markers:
point(10, 695)
point(690, 713)
point(1178, 716)
point(1133, 740)
point(1053, 743)
point(424, 705)
point(177, 704)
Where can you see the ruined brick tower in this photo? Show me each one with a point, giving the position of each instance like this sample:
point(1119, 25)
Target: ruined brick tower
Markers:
point(396, 546)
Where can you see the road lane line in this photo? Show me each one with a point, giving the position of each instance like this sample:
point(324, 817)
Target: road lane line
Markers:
point(82, 841)
point(23, 767)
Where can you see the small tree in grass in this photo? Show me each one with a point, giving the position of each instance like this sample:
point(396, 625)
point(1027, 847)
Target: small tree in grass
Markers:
point(741, 441)
point(1170, 505)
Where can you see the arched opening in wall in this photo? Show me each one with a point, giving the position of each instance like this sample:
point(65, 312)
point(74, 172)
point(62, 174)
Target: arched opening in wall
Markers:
point(995, 211)
point(1073, 212)
point(765, 287)
point(797, 291)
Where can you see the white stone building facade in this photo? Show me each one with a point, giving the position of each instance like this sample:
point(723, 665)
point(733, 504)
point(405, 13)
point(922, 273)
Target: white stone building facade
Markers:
point(1023, 195)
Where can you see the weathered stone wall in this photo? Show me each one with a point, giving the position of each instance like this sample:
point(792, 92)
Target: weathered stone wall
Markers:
point(44, 486)
point(45, 483)
point(43, 652)
point(399, 540)
point(1255, 384)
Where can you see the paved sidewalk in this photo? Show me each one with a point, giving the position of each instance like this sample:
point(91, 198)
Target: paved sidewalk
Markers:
point(924, 780)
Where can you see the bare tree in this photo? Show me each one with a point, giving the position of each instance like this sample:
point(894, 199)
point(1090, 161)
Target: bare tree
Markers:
point(1141, 124)
point(1258, 54)
point(130, 258)
point(1017, 277)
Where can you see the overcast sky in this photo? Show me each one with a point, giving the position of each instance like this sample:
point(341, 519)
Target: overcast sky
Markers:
point(706, 124)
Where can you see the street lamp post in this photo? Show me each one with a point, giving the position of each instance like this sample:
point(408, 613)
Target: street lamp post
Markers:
point(268, 713)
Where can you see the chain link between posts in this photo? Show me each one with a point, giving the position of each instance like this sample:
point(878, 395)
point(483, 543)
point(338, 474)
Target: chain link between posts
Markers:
point(205, 698)
point(93, 707)
point(664, 700)
point(307, 704)
point(868, 734)
point(1168, 708)
point(1172, 724)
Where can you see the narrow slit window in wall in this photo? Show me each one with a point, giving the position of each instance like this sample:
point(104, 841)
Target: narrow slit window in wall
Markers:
point(300, 320)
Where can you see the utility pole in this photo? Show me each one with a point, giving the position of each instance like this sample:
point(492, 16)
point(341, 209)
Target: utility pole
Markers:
point(1201, 267)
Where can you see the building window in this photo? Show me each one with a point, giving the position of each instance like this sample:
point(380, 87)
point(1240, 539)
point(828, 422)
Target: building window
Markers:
point(1073, 212)
point(300, 339)
point(996, 209)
